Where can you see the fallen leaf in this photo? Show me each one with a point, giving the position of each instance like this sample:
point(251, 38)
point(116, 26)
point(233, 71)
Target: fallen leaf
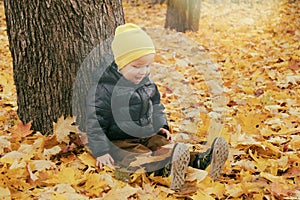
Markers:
point(15, 155)
point(40, 165)
point(234, 190)
point(123, 193)
point(293, 171)
point(281, 190)
point(63, 127)
point(272, 178)
point(51, 152)
point(201, 195)
point(166, 181)
point(60, 192)
point(4, 193)
point(32, 176)
point(95, 185)
point(87, 159)
point(4, 144)
point(194, 174)
point(66, 175)
point(237, 77)
point(295, 142)
point(22, 130)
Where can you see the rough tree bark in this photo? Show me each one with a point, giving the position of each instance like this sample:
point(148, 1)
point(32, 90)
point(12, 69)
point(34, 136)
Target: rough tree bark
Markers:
point(49, 40)
point(183, 15)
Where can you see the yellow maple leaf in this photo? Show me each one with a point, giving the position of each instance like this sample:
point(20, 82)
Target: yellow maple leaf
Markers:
point(52, 151)
point(18, 180)
point(40, 165)
point(63, 127)
point(272, 178)
point(202, 195)
point(60, 192)
point(58, 196)
point(121, 193)
point(4, 193)
point(4, 144)
point(295, 142)
point(234, 190)
point(166, 181)
point(12, 156)
point(94, 185)
point(34, 149)
point(32, 176)
point(213, 188)
point(87, 159)
point(66, 175)
point(195, 174)
point(251, 121)
point(260, 163)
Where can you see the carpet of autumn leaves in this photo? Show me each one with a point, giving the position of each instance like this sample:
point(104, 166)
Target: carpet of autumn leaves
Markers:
point(239, 72)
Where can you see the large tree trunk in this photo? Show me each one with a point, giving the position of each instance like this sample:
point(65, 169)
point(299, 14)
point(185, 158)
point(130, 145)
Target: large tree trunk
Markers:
point(48, 41)
point(183, 15)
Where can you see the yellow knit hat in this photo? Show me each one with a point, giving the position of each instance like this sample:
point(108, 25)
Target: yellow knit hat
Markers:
point(130, 43)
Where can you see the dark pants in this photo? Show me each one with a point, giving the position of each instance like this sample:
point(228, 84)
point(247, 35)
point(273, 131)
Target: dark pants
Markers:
point(125, 152)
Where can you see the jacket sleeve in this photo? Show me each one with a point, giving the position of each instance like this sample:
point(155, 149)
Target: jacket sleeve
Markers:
point(98, 117)
point(159, 116)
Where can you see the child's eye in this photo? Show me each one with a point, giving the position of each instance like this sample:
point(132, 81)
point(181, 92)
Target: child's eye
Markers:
point(147, 66)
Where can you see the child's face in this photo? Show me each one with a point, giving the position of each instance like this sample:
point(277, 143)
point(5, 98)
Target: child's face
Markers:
point(138, 69)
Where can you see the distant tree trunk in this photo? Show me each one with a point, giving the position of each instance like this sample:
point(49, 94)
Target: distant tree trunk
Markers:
point(183, 15)
point(48, 41)
point(148, 2)
point(152, 2)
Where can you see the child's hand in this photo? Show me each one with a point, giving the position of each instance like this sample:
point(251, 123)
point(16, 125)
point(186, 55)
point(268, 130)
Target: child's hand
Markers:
point(166, 133)
point(106, 159)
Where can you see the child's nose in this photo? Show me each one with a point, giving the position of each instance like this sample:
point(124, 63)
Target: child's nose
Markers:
point(143, 70)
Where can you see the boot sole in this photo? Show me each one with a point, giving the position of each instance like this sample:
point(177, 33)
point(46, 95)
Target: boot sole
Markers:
point(180, 162)
point(219, 157)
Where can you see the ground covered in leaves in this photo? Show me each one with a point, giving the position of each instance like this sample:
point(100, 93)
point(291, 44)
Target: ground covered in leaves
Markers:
point(237, 77)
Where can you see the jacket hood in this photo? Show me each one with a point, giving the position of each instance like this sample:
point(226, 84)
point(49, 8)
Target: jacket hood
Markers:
point(111, 74)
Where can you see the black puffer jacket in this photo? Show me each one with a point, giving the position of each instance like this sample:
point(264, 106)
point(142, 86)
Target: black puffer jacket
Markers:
point(118, 109)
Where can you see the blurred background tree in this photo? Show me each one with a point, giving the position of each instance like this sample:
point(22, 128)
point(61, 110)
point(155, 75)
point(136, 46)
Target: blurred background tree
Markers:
point(183, 15)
